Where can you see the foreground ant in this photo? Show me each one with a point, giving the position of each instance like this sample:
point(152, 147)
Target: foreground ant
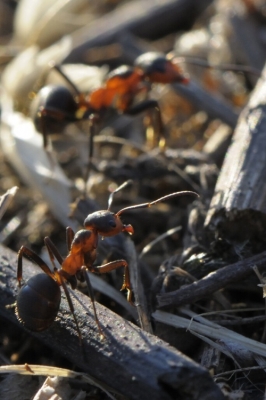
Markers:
point(39, 299)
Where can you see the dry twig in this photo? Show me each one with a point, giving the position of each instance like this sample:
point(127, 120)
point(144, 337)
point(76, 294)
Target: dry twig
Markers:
point(212, 282)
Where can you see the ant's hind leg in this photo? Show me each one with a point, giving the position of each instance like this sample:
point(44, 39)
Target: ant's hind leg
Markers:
point(32, 256)
point(44, 114)
point(71, 307)
point(53, 252)
point(91, 294)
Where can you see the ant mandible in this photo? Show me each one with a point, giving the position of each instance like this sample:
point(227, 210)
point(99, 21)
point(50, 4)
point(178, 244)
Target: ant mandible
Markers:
point(39, 299)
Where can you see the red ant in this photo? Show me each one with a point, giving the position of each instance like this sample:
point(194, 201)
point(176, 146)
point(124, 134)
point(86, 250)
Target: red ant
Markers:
point(56, 106)
point(39, 299)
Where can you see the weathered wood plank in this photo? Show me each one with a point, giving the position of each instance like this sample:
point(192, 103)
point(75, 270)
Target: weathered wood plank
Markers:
point(237, 212)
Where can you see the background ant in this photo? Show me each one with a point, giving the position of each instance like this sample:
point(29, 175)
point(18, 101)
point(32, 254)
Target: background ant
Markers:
point(56, 106)
point(39, 299)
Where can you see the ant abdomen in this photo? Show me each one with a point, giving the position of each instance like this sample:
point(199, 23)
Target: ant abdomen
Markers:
point(38, 302)
point(57, 105)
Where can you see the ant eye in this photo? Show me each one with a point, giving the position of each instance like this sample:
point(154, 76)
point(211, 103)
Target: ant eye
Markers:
point(112, 223)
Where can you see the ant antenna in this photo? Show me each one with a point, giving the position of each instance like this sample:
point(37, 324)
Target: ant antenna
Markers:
point(111, 197)
point(169, 196)
point(205, 64)
point(67, 79)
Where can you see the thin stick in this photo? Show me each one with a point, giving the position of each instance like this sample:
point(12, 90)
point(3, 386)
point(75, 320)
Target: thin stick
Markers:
point(263, 285)
point(212, 282)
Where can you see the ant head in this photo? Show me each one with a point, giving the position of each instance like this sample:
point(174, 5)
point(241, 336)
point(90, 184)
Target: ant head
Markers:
point(106, 223)
point(158, 68)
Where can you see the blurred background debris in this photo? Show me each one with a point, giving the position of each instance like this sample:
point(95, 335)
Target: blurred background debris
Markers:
point(64, 174)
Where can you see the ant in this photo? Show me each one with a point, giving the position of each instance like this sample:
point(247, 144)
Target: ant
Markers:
point(56, 106)
point(39, 299)
point(124, 83)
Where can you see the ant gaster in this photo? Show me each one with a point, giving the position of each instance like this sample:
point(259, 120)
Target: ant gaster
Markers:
point(39, 299)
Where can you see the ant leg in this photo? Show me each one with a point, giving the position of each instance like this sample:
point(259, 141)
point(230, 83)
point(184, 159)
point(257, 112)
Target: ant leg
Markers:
point(160, 127)
point(91, 294)
point(46, 117)
point(32, 256)
point(154, 119)
point(102, 269)
point(67, 79)
point(43, 130)
point(93, 119)
point(151, 105)
point(69, 237)
point(43, 115)
point(53, 252)
point(71, 307)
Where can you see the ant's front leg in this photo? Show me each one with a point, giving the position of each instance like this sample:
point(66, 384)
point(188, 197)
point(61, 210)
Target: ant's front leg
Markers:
point(32, 256)
point(103, 269)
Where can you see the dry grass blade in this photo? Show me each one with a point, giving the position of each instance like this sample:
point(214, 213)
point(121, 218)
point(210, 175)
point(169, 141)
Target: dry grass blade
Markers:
point(138, 289)
point(45, 370)
point(209, 329)
point(158, 239)
point(6, 199)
